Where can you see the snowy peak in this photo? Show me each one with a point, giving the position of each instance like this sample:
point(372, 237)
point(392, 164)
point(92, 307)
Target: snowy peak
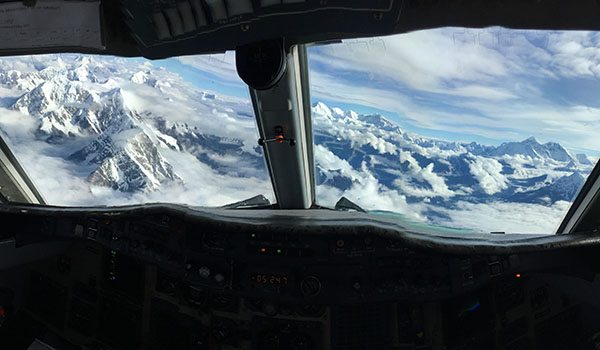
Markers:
point(139, 130)
point(323, 110)
point(128, 162)
point(71, 103)
point(423, 169)
point(66, 108)
point(567, 187)
point(143, 77)
point(583, 159)
point(379, 121)
point(376, 130)
point(557, 152)
point(62, 107)
point(571, 166)
point(533, 149)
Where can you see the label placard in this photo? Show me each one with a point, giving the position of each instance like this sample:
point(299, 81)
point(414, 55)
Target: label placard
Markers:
point(50, 24)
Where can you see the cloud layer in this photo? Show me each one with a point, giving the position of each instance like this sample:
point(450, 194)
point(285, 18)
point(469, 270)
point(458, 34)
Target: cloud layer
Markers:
point(493, 83)
point(496, 83)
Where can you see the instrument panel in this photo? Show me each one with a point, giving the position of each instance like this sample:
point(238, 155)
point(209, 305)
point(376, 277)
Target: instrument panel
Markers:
point(254, 261)
point(157, 279)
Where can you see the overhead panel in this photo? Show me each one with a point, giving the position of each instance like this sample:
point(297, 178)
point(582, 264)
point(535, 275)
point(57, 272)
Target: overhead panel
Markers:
point(173, 27)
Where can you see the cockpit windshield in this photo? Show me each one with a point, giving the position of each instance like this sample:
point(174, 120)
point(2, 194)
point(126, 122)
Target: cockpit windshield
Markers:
point(484, 129)
point(95, 130)
point(488, 130)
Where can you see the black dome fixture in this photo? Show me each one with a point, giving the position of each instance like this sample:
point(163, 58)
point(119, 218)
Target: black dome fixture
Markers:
point(261, 65)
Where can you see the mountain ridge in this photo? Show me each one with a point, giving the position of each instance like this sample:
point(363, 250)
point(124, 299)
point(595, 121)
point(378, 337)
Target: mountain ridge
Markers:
point(139, 130)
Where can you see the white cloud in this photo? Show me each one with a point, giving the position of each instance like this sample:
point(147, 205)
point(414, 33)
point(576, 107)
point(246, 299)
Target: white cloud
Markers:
point(204, 186)
point(181, 103)
point(575, 53)
point(437, 184)
point(482, 92)
point(507, 217)
point(219, 65)
point(365, 190)
point(422, 60)
point(491, 82)
point(326, 159)
point(169, 97)
point(488, 172)
point(66, 185)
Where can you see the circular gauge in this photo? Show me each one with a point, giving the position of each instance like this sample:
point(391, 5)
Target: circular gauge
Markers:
point(310, 286)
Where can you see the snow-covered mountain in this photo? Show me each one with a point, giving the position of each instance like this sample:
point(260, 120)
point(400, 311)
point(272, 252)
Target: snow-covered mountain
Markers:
point(93, 130)
point(132, 129)
point(533, 149)
point(435, 179)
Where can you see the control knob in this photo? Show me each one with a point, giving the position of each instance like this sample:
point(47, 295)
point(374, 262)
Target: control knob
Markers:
point(310, 286)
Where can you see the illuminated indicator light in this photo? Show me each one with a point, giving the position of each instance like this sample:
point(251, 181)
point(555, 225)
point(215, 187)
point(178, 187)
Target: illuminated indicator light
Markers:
point(279, 251)
point(253, 235)
point(263, 250)
point(518, 275)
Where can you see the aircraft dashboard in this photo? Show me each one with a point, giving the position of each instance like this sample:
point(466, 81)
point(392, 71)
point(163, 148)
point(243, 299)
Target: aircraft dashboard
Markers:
point(131, 278)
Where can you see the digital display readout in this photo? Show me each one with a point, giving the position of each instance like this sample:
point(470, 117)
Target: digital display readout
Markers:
point(269, 279)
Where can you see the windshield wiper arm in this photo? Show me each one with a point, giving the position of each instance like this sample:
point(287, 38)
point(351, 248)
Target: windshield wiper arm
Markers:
point(254, 202)
point(344, 204)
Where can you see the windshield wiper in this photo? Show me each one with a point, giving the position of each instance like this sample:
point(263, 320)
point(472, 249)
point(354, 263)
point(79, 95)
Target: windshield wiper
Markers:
point(259, 201)
point(344, 204)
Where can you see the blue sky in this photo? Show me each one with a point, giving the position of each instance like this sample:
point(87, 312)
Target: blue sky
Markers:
point(487, 85)
point(207, 79)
